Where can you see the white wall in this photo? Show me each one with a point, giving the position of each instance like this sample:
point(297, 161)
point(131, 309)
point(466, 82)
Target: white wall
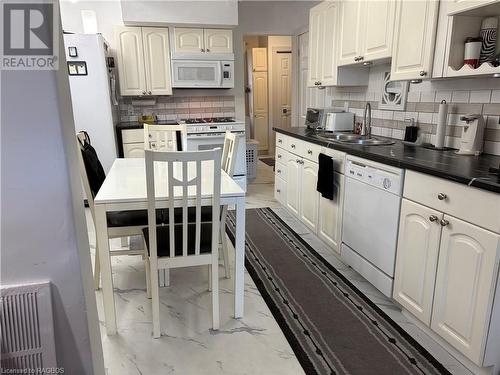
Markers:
point(157, 13)
point(43, 230)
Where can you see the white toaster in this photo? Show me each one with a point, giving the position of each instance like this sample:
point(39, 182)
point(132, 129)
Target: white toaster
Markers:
point(339, 121)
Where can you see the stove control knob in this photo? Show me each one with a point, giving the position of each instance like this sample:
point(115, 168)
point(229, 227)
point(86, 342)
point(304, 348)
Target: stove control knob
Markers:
point(387, 183)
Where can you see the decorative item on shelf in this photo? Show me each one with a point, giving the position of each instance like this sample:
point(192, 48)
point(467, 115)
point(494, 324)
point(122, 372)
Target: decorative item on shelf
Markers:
point(489, 39)
point(411, 131)
point(357, 127)
point(147, 119)
point(441, 124)
point(472, 51)
point(393, 93)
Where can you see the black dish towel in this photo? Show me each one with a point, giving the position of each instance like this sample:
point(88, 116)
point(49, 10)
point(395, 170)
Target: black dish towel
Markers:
point(325, 176)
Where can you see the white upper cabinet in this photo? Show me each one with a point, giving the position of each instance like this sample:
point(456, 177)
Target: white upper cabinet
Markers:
point(130, 54)
point(417, 256)
point(315, 55)
point(329, 63)
point(466, 280)
point(157, 60)
point(196, 40)
point(143, 60)
point(218, 40)
point(414, 38)
point(188, 40)
point(350, 26)
point(365, 30)
point(459, 6)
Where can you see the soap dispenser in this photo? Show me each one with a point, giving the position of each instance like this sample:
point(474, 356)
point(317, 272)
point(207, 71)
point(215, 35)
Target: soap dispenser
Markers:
point(472, 135)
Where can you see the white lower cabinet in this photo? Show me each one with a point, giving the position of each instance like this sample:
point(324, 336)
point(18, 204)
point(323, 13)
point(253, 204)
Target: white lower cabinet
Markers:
point(416, 261)
point(330, 215)
point(465, 284)
point(133, 150)
point(309, 197)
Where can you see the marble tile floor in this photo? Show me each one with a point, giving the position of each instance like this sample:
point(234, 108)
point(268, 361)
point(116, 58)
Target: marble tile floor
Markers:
point(251, 345)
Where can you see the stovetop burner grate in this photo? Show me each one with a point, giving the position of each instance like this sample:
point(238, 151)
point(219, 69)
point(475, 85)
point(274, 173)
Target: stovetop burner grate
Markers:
point(209, 120)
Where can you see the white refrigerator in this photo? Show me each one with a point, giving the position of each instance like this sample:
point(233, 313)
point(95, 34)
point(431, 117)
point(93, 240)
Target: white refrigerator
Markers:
point(92, 83)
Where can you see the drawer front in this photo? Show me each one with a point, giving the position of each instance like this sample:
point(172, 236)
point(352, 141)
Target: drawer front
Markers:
point(281, 140)
point(280, 190)
point(294, 146)
point(132, 135)
point(467, 203)
point(281, 155)
point(280, 171)
point(310, 151)
point(337, 156)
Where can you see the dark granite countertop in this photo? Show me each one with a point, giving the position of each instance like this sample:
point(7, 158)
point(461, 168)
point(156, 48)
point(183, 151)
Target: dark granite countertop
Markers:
point(470, 170)
point(138, 125)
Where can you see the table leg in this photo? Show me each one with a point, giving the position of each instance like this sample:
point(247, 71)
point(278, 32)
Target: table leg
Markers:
point(105, 262)
point(239, 262)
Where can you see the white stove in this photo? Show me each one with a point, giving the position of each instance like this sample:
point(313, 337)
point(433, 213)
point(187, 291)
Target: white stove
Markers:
point(209, 133)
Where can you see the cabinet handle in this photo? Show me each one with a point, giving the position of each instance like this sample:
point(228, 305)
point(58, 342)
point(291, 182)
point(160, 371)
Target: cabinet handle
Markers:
point(309, 152)
point(144, 93)
point(279, 156)
point(442, 196)
point(361, 58)
point(203, 50)
point(433, 218)
point(444, 222)
point(423, 73)
point(279, 170)
point(149, 92)
point(280, 141)
point(278, 190)
point(319, 83)
point(292, 146)
point(208, 49)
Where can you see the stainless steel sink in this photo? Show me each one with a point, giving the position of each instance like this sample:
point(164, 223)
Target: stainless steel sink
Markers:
point(351, 138)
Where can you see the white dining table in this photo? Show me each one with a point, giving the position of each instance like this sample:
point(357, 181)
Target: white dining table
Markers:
point(125, 189)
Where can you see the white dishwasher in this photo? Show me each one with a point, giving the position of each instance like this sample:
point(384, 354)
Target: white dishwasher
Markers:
point(372, 202)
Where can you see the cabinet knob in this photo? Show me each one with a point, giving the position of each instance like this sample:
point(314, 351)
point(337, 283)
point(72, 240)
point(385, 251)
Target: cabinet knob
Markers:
point(279, 156)
point(442, 196)
point(444, 222)
point(149, 92)
point(423, 73)
point(278, 190)
point(279, 170)
point(208, 49)
point(309, 152)
point(280, 141)
point(203, 50)
point(144, 93)
point(292, 146)
point(433, 218)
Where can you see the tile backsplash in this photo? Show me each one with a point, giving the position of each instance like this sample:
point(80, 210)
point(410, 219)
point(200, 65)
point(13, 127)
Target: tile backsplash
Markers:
point(177, 107)
point(423, 106)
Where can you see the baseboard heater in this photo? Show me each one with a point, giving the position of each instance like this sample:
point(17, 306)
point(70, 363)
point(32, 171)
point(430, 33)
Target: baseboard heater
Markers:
point(27, 327)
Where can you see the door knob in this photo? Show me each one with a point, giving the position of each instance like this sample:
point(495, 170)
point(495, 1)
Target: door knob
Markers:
point(442, 196)
point(423, 73)
point(149, 92)
point(444, 222)
point(433, 218)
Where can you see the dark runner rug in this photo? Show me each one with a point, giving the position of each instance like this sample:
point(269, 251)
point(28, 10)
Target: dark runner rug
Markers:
point(269, 161)
point(332, 327)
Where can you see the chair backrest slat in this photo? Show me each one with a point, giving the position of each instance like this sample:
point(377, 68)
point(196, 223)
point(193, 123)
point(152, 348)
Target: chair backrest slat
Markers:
point(230, 152)
point(184, 172)
point(164, 137)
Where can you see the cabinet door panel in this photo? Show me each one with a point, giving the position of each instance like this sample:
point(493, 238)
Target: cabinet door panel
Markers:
point(133, 150)
point(218, 40)
point(377, 29)
point(293, 175)
point(329, 47)
point(330, 215)
point(309, 197)
point(130, 53)
point(416, 259)
point(261, 133)
point(414, 38)
point(188, 40)
point(259, 59)
point(349, 26)
point(465, 284)
point(316, 20)
point(157, 60)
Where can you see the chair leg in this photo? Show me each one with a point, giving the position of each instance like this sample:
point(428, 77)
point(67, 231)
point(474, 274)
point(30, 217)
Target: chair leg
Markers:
point(215, 292)
point(155, 294)
point(124, 241)
point(210, 277)
point(97, 268)
point(225, 253)
point(167, 276)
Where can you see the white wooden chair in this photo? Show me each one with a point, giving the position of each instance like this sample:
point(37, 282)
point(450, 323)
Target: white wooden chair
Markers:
point(165, 137)
point(120, 224)
point(182, 243)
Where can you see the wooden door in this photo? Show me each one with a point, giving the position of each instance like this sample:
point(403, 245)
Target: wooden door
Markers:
point(259, 59)
point(157, 60)
point(218, 40)
point(350, 38)
point(293, 178)
point(260, 109)
point(130, 55)
point(414, 39)
point(309, 197)
point(329, 47)
point(466, 278)
point(188, 40)
point(330, 215)
point(316, 20)
point(282, 88)
point(377, 29)
point(417, 256)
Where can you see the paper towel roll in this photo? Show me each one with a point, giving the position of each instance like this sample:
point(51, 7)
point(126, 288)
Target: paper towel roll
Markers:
point(441, 124)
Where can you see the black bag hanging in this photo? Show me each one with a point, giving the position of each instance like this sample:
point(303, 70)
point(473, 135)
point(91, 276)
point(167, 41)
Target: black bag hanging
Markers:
point(93, 167)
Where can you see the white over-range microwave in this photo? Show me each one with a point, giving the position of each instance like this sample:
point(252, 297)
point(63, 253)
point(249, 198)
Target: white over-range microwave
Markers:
point(190, 73)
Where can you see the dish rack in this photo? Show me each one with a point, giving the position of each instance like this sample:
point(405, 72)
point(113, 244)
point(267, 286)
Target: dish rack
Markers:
point(252, 158)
